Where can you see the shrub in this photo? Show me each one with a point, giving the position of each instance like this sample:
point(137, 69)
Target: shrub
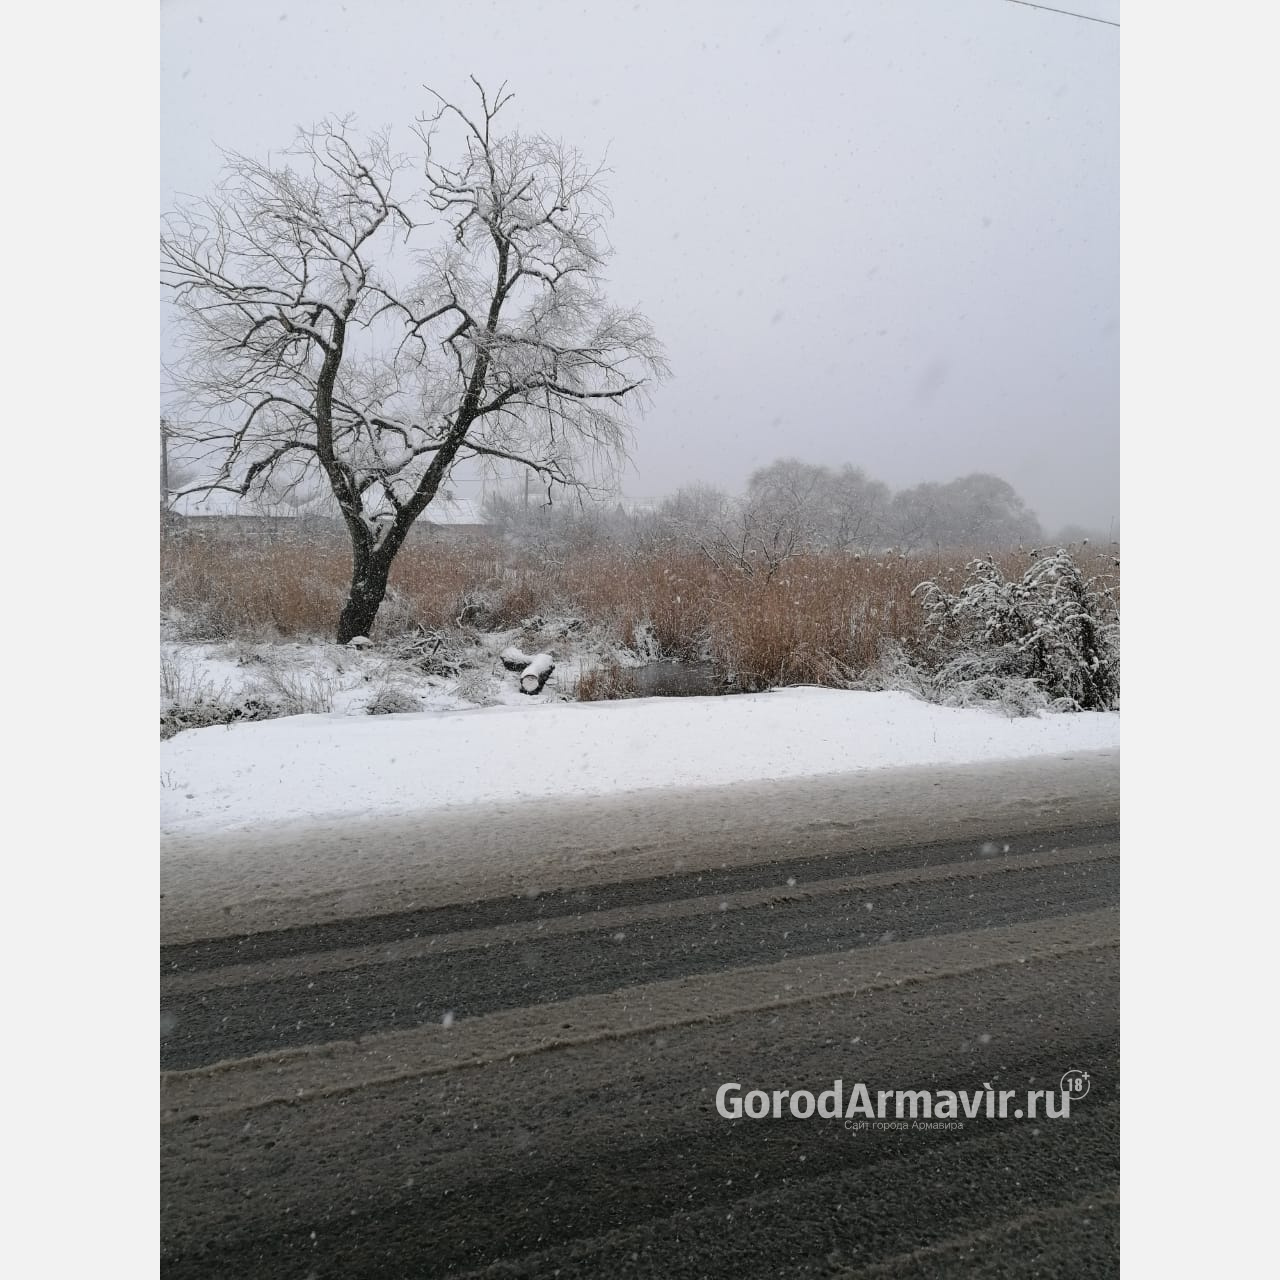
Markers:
point(1051, 627)
point(204, 712)
point(516, 602)
point(391, 701)
point(477, 685)
point(297, 693)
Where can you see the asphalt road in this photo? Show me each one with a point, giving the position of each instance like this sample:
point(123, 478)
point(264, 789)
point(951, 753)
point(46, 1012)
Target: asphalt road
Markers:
point(489, 1044)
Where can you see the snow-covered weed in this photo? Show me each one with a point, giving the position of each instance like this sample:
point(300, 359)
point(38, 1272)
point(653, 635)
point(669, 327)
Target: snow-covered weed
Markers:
point(391, 700)
point(297, 692)
point(189, 700)
point(965, 682)
point(516, 601)
point(475, 607)
point(477, 686)
point(501, 605)
point(180, 681)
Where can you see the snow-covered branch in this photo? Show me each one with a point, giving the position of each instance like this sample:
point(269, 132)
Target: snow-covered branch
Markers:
point(338, 324)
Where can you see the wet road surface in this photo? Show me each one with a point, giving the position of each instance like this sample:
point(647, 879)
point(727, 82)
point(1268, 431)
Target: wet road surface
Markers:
point(523, 1083)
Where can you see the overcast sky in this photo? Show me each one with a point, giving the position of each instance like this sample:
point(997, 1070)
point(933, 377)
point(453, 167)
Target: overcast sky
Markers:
point(883, 232)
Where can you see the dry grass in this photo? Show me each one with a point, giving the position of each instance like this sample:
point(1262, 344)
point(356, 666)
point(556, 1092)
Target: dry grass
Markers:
point(605, 683)
point(229, 586)
point(817, 620)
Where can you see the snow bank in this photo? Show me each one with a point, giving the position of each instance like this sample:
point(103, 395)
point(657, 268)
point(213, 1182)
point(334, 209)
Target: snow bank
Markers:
point(335, 766)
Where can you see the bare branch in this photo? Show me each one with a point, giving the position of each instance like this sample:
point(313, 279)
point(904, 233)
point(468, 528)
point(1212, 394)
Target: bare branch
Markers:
point(310, 352)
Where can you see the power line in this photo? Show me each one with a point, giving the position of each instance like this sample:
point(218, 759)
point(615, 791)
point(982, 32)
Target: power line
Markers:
point(1088, 17)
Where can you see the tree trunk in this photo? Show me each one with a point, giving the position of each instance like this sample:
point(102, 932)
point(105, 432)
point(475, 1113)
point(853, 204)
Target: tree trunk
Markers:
point(368, 587)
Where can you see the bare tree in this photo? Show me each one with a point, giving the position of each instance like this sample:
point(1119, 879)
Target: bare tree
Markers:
point(797, 507)
point(750, 535)
point(307, 367)
point(978, 511)
point(854, 510)
point(780, 513)
point(914, 517)
point(703, 518)
point(794, 508)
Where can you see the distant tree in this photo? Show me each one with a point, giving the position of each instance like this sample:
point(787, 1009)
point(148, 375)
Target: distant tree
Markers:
point(694, 506)
point(781, 512)
point(702, 518)
point(1071, 534)
point(540, 523)
point(787, 483)
point(979, 511)
point(854, 510)
point(986, 511)
point(790, 508)
point(752, 534)
point(306, 354)
point(801, 506)
point(914, 518)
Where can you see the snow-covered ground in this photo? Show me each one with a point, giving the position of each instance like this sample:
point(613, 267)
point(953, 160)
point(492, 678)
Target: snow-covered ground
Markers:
point(335, 765)
point(323, 677)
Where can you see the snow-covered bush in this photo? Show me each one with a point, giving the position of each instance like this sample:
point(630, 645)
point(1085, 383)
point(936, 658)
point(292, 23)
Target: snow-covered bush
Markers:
point(202, 712)
point(479, 685)
point(893, 671)
point(516, 602)
point(1051, 635)
point(475, 608)
point(296, 692)
point(391, 700)
point(961, 683)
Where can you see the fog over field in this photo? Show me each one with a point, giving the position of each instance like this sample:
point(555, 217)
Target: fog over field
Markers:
point(875, 234)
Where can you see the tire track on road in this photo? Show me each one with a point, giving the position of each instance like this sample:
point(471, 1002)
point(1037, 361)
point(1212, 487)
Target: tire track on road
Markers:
point(564, 1120)
point(316, 1005)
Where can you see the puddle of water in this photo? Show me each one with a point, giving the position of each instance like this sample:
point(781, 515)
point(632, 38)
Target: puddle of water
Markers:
point(677, 680)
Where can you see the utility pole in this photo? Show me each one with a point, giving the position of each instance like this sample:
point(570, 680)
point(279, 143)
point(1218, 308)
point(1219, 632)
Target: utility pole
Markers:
point(164, 464)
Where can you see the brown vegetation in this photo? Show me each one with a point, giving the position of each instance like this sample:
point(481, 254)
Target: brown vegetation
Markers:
point(606, 683)
point(820, 618)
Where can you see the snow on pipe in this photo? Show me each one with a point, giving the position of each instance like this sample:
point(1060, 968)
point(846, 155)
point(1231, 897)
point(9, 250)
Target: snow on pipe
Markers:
point(541, 665)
